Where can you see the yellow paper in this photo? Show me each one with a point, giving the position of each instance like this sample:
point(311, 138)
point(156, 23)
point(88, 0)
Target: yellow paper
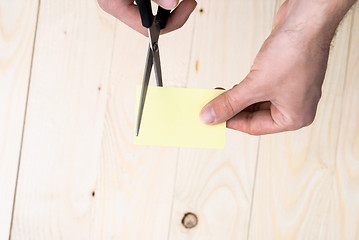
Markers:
point(171, 118)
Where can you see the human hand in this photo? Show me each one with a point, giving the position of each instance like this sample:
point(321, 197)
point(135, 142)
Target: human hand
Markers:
point(283, 87)
point(127, 12)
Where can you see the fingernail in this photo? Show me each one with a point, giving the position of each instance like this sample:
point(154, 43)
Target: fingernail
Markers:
point(207, 115)
point(167, 4)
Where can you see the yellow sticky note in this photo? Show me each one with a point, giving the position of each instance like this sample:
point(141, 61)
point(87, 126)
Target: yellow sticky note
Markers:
point(171, 118)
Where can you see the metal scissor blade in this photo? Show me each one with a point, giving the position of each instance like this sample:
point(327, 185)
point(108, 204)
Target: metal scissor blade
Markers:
point(158, 72)
point(154, 33)
point(146, 79)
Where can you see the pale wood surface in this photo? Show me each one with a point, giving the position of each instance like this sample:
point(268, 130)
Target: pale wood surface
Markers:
point(345, 213)
point(64, 122)
point(80, 176)
point(295, 195)
point(216, 185)
point(17, 30)
point(136, 183)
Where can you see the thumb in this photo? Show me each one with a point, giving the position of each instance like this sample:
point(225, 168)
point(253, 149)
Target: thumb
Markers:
point(229, 103)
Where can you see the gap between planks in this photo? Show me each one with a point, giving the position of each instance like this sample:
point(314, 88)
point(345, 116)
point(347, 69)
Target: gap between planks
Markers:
point(277, 3)
point(346, 68)
point(24, 121)
point(194, 16)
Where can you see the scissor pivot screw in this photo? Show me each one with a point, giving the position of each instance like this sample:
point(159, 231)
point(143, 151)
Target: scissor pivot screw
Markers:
point(155, 47)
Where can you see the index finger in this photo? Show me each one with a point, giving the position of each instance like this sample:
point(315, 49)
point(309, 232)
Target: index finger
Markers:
point(256, 123)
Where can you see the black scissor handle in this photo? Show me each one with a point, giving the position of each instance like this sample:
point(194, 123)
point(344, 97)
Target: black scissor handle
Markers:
point(147, 16)
point(162, 16)
point(146, 12)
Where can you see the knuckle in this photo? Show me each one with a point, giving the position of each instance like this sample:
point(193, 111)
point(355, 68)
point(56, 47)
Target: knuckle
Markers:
point(298, 121)
point(309, 119)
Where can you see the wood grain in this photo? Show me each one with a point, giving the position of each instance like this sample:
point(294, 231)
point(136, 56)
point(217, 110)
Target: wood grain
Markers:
point(294, 196)
point(65, 115)
point(345, 221)
point(135, 183)
point(17, 29)
point(216, 185)
point(81, 177)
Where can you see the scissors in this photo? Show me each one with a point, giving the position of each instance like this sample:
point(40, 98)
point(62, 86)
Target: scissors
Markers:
point(153, 25)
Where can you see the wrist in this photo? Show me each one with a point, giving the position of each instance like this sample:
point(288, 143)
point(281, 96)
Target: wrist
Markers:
point(312, 18)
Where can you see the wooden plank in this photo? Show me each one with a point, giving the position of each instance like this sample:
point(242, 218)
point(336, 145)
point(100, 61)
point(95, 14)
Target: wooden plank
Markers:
point(345, 220)
point(294, 193)
point(135, 183)
point(17, 30)
point(67, 99)
point(216, 185)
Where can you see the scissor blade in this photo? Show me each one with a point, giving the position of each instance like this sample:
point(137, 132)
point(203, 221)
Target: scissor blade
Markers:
point(154, 33)
point(146, 79)
point(158, 72)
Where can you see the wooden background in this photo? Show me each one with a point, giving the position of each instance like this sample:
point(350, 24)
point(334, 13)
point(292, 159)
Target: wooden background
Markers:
point(69, 170)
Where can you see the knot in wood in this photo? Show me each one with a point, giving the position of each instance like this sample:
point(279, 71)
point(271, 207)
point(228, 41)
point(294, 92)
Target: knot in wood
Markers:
point(189, 220)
